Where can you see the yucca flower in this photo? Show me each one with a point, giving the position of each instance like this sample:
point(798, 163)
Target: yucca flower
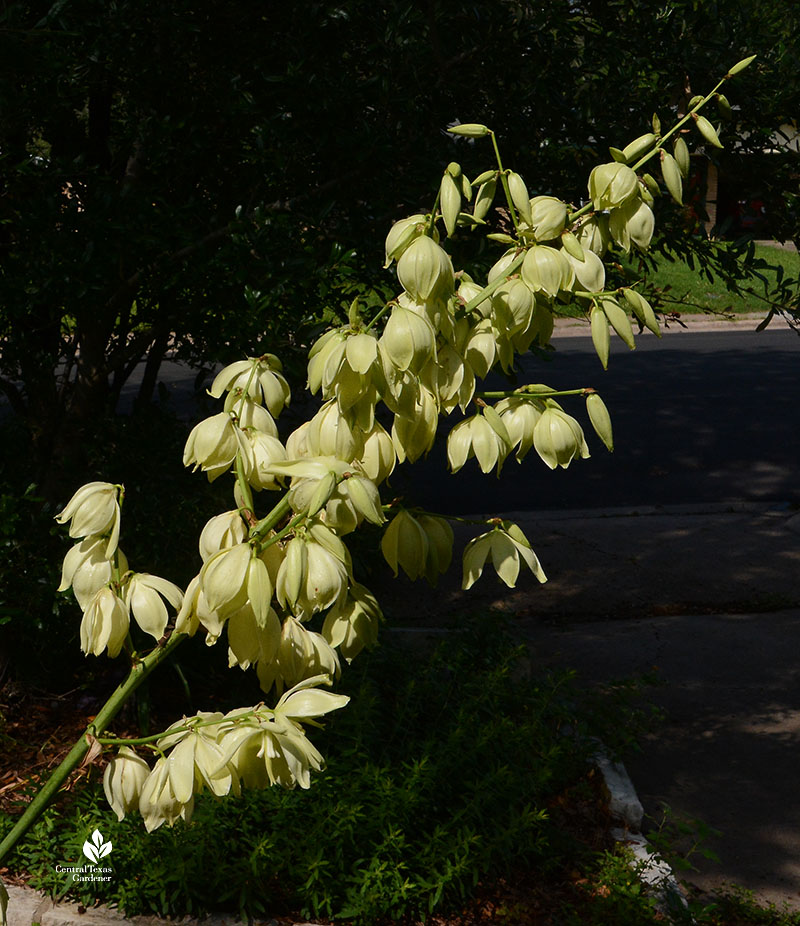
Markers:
point(507, 547)
point(87, 568)
point(94, 510)
point(212, 445)
point(123, 780)
point(105, 624)
point(144, 596)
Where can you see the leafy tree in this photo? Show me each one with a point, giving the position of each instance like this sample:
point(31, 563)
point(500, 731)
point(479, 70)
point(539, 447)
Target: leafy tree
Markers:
point(158, 158)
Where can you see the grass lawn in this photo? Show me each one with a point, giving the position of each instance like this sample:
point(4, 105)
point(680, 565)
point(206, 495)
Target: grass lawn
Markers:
point(696, 293)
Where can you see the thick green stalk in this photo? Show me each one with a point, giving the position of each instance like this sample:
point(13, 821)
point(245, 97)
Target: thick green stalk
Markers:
point(108, 712)
point(275, 516)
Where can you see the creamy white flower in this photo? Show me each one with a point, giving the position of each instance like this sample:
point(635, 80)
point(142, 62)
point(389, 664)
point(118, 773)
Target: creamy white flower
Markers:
point(144, 594)
point(94, 509)
point(123, 780)
point(105, 624)
point(212, 445)
point(87, 568)
point(505, 546)
point(221, 532)
point(158, 803)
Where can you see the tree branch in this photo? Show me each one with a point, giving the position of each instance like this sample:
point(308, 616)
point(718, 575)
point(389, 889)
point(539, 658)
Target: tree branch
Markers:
point(14, 395)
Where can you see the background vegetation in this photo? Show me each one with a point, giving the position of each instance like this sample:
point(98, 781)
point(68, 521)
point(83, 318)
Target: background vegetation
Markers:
point(176, 179)
point(159, 158)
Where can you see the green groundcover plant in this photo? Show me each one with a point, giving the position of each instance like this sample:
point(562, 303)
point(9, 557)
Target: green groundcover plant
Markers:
point(279, 585)
point(436, 778)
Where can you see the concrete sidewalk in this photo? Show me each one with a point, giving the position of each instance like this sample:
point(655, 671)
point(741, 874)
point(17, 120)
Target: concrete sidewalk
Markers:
point(709, 597)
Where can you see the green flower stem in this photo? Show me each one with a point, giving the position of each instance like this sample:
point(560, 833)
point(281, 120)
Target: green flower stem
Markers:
point(645, 158)
point(146, 740)
point(246, 391)
point(457, 518)
point(495, 284)
point(447, 517)
point(383, 311)
point(244, 485)
point(698, 106)
point(432, 222)
point(275, 516)
point(139, 672)
point(296, 520)
point(504, 181)
point(523, 393)
point(588, 295)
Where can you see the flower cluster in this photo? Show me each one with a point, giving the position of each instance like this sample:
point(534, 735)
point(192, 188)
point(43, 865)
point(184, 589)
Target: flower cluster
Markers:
point(97, 571)
point(251, 747)
point(386, 384)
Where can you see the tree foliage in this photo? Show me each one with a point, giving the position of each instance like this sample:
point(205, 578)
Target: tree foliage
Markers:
point(158, 158)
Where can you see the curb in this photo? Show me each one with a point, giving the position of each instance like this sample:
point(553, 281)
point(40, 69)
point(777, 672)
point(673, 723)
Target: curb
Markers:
point(627, 812)
point(27, 907)
point(700, 323)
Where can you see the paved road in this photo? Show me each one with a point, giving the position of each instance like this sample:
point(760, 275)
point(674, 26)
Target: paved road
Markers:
point(698, 416)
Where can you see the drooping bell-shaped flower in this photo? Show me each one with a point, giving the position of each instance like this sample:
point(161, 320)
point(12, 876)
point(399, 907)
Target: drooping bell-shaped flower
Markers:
point(94, 509)
point(545, 269)
point(212, 445)
point(352, 625)
point(144, 595)
point(611, 185)
point(507, 547)
point(105, 624)
point(558, 438)
point(425, 270)
point(87, 568)
point(123, 780)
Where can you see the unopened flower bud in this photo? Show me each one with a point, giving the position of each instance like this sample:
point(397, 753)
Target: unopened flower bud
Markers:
point(600, 419)
point(426, 271)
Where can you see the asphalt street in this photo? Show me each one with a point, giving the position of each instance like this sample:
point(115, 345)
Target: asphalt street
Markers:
point(699, 416)
point(707, 416)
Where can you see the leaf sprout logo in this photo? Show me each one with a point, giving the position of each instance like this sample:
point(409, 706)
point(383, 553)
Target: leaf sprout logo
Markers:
point(96, 849)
